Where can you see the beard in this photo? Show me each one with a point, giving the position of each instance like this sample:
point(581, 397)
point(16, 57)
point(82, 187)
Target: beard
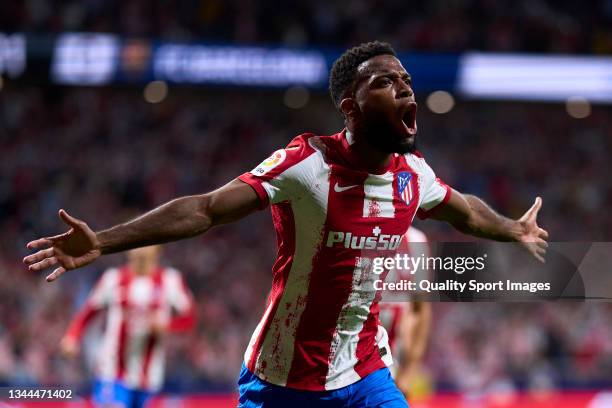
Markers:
point(385, 137)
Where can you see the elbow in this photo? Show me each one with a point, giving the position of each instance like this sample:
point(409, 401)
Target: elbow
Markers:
point(465, 225)
point(203, 214)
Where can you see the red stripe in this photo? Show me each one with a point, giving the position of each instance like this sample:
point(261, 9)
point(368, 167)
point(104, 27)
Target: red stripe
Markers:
point(284, 224)
point(367, 352)
point(256, 185)
point(154, 305)
point(186, 320)
point(150, 346)
point(125, 279)
point(331, 283)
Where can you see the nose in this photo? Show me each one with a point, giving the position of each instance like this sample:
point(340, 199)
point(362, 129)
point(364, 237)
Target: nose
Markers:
point(404, 90)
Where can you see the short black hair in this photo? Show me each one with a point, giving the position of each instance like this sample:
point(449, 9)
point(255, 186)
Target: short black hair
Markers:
point(343, 71)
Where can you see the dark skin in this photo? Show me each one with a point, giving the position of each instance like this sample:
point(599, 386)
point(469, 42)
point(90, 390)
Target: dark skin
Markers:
point(382, 96)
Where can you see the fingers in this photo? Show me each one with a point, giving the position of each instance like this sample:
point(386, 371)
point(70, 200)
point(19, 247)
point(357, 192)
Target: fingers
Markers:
point(47, 241)
point(542, 233)
point(541, 243)
point(56, 274)
point(69, 219)
point(39, 243)
point(537, 248)
point(45, 263)
point(38, 256)
point(533, 211)
point(539, 257)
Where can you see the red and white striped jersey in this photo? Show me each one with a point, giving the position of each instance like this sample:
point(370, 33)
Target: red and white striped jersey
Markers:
point(132, 350)
point(414, 243)
point(318, 331)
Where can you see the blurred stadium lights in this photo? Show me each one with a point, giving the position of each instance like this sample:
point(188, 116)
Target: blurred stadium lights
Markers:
point(238, 65)
point(578, 107)
point(155, 91)
point(12, 54)
point(85, 59)
point(440, 102)
point(99, 59)
point(534, 77)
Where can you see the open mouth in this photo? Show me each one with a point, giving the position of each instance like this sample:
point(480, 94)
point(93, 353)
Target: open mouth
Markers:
point(409, 118)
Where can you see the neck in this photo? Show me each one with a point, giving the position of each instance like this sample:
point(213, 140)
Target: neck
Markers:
point(368, 156)
point(142, 268)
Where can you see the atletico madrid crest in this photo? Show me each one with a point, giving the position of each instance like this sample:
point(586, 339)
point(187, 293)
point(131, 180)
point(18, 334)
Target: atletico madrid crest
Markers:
point(404, 186)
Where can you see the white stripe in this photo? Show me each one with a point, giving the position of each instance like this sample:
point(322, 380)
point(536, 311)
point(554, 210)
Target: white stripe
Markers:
point(378, 191)
point(350, 322)
point(157, 365)
point(134, 358)
point(276, 355)
point(107, 359)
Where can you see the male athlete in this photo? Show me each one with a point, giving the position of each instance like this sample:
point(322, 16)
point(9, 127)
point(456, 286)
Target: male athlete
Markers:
point(335, 201)
point(144, 301)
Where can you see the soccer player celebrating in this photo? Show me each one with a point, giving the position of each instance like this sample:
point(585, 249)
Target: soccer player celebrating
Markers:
point(143, 301)
point(331, 197)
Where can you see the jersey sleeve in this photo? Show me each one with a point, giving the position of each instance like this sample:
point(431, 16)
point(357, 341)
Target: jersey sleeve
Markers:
point(181, 301)
point(434, 192)
point(98, 299)
point(277, 178)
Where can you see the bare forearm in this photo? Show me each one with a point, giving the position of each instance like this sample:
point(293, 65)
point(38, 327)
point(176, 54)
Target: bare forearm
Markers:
point(180, 218)
point(484, 222)
point(417, 320)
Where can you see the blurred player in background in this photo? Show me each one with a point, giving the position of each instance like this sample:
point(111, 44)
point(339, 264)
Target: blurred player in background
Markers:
point(407, 321)
point(144, 301)
point(337, 202)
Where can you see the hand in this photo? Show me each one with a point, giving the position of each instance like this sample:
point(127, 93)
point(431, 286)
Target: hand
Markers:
point(532, 237)
point(77, 247)
point(69, 347)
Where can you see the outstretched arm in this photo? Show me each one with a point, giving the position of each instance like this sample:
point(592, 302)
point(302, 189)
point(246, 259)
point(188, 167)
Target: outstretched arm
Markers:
point(470, 215)
point(180, 218)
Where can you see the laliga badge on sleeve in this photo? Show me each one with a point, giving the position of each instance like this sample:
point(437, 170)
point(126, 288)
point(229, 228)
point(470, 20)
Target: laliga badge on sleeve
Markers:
point(271, 162)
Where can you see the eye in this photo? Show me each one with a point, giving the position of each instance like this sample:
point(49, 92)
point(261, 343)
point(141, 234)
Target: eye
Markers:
point(385, 82)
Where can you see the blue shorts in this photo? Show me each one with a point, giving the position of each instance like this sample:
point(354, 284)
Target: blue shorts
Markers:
point(115, 394)
point(377, 390)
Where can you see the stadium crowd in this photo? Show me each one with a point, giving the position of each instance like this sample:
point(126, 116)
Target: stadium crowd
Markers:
point(527, 25)
point(104, 154)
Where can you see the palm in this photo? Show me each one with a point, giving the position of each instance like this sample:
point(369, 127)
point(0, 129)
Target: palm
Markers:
point(75, 248)
point(532, 236)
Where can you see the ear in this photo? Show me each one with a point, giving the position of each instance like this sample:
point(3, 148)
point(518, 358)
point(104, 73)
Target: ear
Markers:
point(348, 107)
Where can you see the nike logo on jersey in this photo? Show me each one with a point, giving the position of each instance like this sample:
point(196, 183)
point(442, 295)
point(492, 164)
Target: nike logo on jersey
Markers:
point(339, 189)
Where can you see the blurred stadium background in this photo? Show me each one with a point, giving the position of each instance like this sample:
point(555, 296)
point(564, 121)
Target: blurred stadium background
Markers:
point(112, 107)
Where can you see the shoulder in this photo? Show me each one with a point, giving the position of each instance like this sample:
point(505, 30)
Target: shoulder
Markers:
point(108, 280)
point(111, 275)
point(171, 273)
point(417, 162)
point(282, 159)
